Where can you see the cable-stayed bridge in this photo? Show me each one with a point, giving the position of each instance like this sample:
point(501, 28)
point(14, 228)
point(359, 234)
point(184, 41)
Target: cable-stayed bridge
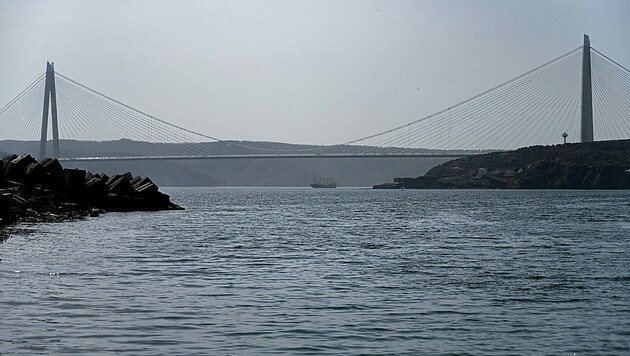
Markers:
point(582, 92)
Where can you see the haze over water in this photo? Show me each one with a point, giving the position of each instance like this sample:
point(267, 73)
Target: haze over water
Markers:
point(345, 271)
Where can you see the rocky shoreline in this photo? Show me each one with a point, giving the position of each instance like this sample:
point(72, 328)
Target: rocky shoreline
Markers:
point(593, 165)
point(32, 191)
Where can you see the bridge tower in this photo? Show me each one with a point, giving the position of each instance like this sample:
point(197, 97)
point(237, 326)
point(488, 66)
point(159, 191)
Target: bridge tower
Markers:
point(50, 97)
point(587, 94)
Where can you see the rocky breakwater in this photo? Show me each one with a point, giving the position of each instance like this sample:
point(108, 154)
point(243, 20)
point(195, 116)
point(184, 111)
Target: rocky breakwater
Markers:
point(32, 191)
point(593, 165)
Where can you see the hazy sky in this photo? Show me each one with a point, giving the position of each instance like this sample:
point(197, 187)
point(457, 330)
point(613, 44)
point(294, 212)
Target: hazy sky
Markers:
point(296, 71)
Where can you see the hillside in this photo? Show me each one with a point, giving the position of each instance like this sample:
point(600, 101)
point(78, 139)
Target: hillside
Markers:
point(594, 165)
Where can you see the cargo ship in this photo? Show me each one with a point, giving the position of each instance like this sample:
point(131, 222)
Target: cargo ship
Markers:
point(323, 182)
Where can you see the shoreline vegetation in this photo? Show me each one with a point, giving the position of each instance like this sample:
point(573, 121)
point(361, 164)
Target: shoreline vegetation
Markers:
point(44, 191)
point(592, 165)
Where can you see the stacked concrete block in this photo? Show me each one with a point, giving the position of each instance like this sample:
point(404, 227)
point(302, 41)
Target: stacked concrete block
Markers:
point(120, 192)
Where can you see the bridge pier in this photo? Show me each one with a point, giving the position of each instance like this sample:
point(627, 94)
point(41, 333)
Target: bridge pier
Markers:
point(50, 101)
point(587, 94)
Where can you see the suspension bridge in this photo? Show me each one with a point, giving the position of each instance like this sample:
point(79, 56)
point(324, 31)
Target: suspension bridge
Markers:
point(582, 91)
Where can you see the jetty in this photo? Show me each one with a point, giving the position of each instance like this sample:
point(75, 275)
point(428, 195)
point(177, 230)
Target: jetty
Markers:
point(44, 191)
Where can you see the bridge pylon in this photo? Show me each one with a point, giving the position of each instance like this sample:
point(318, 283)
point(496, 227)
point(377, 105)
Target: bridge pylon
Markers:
point(587, 93)
point(50, 98)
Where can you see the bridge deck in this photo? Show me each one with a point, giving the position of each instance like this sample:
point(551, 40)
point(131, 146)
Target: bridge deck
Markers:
point(271, 156)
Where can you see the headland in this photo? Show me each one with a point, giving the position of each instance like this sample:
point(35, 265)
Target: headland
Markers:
point(592, 165)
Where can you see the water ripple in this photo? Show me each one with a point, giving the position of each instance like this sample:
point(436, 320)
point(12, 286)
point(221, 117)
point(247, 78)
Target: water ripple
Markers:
point(350, 271)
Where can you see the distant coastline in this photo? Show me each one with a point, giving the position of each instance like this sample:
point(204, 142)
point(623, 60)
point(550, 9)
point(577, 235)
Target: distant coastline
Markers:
point(593, 165)
point(276, 172)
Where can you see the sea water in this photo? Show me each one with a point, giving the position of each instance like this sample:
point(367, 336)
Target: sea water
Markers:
point(327, 271)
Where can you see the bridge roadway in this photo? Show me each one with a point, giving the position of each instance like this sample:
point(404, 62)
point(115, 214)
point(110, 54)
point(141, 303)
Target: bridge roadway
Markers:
point(450, 154)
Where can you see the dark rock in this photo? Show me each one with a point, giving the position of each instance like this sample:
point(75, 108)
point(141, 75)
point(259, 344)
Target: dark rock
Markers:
point(95, 212)
point(75, 180)
point(52, 166)
point(7, 159)
point(95, 187)
point(147, 189)
point(387, 186)
point(116, 202)
point(6, 213)
point(135, 181)
point(112, 179)
point(408, 183)
point(16, 200)
point(128, 176)
point(119, 185)
point(45, 192)
point(34, 174)
point(141, 181)
point(16, 168)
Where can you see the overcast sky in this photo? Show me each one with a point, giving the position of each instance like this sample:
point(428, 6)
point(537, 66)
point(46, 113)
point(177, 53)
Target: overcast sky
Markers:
point(320, 72)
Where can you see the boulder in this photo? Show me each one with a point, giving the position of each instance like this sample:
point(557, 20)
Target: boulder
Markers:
point(7, 159)
point(117, 202)
point(147, 189)
point(128, 176)
point(16, 168)
point(95, 187)
point(119, 185)
point(134, 181)
point(32, 191)
point(75, 180)
point(51, 166)
point(35, 174)
point(6, 213)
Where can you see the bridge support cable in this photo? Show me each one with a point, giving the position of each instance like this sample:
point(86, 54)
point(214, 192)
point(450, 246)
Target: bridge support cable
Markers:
point(134, 126)
point(503, 113)
point(611, 98)
point(514, 113)
point(540, 112)
point(100, 121)
point(88, 119)
point(505, 116)
point(602, 98)
point(131, 109)
point(613, 106)
point(98, 110)
point(491, 93)
point(20, 118)
point(128, 122)
point(116, 121)
point(23, 93)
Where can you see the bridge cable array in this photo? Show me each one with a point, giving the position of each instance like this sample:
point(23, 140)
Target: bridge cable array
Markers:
point(533, 108)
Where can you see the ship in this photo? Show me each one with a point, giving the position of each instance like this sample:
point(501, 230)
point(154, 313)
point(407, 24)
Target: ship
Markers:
point(323, 182)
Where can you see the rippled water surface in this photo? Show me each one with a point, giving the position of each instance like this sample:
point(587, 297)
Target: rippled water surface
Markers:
point(342, 271)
